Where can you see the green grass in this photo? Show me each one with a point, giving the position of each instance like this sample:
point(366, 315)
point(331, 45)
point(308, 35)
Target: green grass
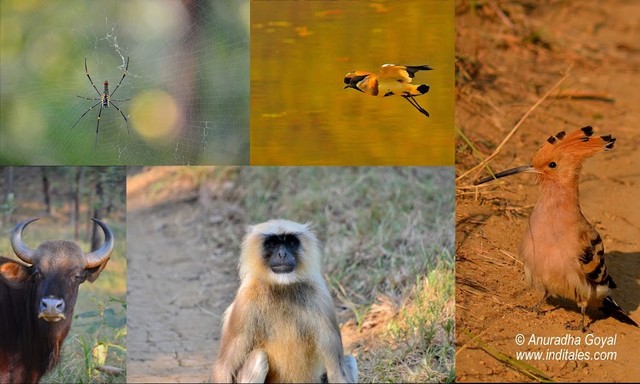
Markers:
point(419, 342)
point(99, 314)
point(379, 227)
point(99, 323)
point(383, 231)
point(98, 338)
point(510, 361)
point(98, 333)
point(386, 235)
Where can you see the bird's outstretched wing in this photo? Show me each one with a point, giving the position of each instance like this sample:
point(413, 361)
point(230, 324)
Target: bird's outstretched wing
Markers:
point(403, 73)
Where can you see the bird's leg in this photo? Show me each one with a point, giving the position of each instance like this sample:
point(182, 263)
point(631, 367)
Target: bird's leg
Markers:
point(415, 104)
point(580, 327)
point(536, 307)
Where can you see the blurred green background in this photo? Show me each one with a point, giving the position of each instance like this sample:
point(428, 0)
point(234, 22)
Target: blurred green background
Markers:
point(300, 52)
point(187, 78)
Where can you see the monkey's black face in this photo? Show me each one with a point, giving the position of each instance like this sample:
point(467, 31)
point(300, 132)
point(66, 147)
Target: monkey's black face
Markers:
point(281, 252)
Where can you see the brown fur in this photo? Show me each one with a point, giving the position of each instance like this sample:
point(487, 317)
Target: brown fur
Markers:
point(30, 337)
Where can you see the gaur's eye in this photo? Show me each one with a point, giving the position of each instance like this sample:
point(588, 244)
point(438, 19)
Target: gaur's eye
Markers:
point(36, 275)
point(553, 164)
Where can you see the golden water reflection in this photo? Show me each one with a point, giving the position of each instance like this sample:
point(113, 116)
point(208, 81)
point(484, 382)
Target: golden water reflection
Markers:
point(300, 113)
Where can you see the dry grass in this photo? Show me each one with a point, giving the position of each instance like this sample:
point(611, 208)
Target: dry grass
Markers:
point(384, 230)
point(387, 238)
point(417, 345)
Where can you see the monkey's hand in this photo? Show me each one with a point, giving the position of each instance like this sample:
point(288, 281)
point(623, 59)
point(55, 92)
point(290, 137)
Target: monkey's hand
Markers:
point(234, 346)
point(350, 368)
point(255, 368)
point(340, 368)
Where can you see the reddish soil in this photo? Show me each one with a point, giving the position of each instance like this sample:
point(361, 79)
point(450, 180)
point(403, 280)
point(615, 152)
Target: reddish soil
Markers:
point(509, 55)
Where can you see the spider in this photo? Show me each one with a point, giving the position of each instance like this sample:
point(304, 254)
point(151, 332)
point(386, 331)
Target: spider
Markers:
point(104, 100)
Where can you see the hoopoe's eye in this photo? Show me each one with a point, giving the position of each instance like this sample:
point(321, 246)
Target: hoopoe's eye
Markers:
point(553, 164)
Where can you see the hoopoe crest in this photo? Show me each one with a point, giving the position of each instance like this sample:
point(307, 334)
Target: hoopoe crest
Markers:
point(562, 252)
point(391, 80)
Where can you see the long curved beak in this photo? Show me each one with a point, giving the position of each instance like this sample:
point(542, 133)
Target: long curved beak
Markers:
point(508, 172)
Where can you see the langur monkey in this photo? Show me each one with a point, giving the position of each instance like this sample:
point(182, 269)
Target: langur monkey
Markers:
point(282, 325)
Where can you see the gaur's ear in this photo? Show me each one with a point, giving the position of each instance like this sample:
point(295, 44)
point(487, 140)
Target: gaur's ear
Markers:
point(93, 273)
point(13, 273)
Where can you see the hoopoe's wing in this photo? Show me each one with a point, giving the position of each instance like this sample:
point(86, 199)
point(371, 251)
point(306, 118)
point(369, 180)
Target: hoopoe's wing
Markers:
point(592, 260)
point(595, 270)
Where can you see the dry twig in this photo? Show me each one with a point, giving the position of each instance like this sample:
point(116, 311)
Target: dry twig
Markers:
point(515, 128)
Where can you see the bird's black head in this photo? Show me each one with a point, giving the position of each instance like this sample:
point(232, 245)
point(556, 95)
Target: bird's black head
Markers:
point(352, 79)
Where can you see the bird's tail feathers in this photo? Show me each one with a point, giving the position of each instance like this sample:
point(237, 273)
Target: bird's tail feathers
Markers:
point(612, 308)
point(423, 88)
point(412, 69)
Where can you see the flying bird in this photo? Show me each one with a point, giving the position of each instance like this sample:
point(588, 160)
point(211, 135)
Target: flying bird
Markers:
point(562, 252)
point(391, 80)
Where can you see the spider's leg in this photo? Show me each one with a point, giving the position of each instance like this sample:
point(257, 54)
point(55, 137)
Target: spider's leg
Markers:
point(95, 144)
point(88, 110)
point(91, 81)
point(89, 98)
point(119, 101)
point(123, 116)
point(122, 78)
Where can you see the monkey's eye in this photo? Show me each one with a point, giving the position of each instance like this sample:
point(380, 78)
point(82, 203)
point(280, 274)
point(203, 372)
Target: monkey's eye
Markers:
point(553, 164)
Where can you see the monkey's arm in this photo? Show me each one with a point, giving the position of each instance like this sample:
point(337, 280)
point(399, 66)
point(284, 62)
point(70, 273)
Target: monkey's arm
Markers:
point(235, 345)
point(340, 369)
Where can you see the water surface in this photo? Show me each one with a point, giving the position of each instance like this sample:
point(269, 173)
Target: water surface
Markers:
point(300, 113)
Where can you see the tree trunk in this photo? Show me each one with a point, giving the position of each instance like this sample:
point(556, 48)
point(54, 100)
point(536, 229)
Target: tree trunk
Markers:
point(45, 190)
point(97, 212)
point(76, 202)
point(9, 197)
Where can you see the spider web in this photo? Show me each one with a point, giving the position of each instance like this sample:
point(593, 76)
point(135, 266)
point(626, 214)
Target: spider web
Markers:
point(187, 78)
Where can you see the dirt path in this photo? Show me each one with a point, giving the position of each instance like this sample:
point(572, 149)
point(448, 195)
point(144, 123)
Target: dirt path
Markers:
point(180, 281)
point(522, 51)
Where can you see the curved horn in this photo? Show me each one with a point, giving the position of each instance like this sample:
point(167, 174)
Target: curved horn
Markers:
point(103, 253)
point(19, 248)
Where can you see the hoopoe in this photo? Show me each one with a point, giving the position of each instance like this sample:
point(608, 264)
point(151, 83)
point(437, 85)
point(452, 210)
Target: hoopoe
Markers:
point(392, 80)
point(562, 252)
